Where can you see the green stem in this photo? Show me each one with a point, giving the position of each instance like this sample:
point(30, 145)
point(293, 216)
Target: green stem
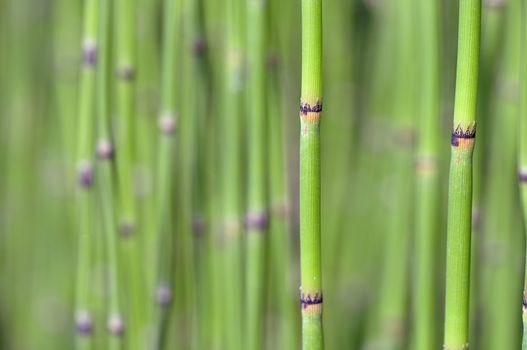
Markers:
point(257, 215)
point(84, 195)
point(427, 196)
point(460, 180)
point(310, 109)
point(164, 175)
point(232, 176)
point(115, 323)
point(522, 171)
point(130, 247)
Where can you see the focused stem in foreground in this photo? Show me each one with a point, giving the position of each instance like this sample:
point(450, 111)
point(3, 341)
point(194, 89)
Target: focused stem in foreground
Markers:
point(310, 110)
point(460, 179)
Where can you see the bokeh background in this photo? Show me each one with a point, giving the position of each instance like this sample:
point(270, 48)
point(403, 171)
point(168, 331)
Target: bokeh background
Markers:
point(386, 64)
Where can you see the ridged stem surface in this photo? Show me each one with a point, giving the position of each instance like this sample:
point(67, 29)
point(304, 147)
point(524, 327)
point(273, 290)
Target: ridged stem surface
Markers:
point(460, 179)
point(310, 110)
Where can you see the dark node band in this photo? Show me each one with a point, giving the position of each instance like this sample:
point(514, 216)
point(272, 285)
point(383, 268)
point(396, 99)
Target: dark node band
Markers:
point(459, 133)
point(199, 47)
point(116, 325)
point(256, 220)
point(198, 226)
point(309, 299)
point(126, 229)
point(307, 108)
point(83, 323)
point(89, 55)
point(164, 295)
point(104, 149)
point(85, 175)
point(524, 301)
point(126, 73)
point(167, 123)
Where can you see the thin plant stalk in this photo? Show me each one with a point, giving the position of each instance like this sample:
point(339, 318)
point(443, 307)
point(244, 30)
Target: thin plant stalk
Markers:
point(460, 179)
point(522, 153)
point(257, 206)
point(84, 195)
point(427, 196)
point(165, 164)
point(133, 275)
point(104, 151)
point(232, 178)
point(310, 237)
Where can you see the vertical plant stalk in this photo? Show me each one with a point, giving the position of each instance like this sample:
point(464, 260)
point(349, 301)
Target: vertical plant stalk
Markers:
point(84, 195)
point(257, 206)
point(427, 196)
point(280, 288)
point(310, 110)
point(104, 150)
point(460, 179)
point(164, 175)
point(125, 144)
point(522, 153)
point(232, 174)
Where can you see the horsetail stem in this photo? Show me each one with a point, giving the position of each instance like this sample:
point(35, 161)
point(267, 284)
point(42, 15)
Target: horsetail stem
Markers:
point(522, 153)
point(257, 216)
point(84, 195)
point(232, 175)
point(310, 109)
point(125, 27)
point(460, 179)
point(167, 124)
point(104, 151)
point(427, 177)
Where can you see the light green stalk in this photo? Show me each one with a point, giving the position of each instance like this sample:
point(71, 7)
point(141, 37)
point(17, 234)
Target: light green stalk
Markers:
point(147, 103)
point(115, 323)
point(460, 180)
point(125, 17)
point(282, 293)
point(522, 152)
point(165, 163)
point(232, 173)
point(84, 195)
point(310, 109)
point(427, 196)
point(232, 176)
point(257, 207)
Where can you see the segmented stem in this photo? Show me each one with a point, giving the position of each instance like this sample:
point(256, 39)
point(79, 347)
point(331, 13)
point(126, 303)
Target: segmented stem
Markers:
point(460, 181)
point(310, 110)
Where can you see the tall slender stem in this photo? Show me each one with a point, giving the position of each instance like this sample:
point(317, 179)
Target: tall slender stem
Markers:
point(164, 176)
point(522, 153)
point(115, 323)
point(257, 215)
point(125, 26)
point(460, 181)
point(84, 197)
point(427, 196)
point(232, 175)
point(310, 110)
